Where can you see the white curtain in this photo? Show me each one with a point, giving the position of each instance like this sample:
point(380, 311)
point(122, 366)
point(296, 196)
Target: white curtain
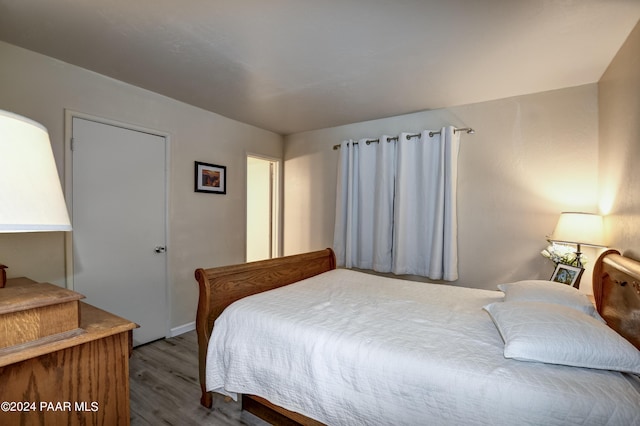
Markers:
point(364, 205)
point(396, 205)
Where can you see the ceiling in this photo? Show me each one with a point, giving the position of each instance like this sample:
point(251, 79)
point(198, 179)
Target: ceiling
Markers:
point(296, 65)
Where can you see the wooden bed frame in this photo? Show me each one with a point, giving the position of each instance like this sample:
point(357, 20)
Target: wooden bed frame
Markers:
point(616, 289)
point(616, 286)
point(220, 287)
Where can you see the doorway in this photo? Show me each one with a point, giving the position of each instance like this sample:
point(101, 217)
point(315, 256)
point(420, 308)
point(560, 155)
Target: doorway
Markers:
point(118, 210)
point(263, 208)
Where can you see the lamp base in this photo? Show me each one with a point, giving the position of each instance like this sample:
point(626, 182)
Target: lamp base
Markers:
point(3, 276)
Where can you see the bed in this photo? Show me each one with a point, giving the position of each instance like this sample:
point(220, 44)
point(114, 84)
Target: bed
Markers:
point(334, 346)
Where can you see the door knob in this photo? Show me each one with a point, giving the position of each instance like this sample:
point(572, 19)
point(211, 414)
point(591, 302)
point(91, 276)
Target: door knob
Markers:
point(160, 249)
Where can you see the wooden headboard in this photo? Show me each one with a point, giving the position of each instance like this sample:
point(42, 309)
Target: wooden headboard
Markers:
point(616, 289)
point(220, 287)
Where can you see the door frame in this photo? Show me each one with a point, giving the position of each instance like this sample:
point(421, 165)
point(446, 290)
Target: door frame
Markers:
point(69, 115)
point(279, 201)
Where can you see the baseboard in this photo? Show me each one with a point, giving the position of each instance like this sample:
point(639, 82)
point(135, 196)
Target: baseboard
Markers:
point(176, 331)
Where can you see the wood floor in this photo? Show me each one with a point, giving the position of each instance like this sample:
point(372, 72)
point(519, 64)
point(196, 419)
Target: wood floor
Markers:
point(165, 388)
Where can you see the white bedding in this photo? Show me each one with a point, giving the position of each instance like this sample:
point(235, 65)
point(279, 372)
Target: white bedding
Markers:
point(348, 348)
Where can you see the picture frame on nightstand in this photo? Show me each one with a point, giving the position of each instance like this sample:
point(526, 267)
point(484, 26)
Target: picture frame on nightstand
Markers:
point(567, 274)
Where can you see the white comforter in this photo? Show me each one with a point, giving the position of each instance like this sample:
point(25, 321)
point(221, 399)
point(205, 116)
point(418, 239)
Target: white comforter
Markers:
point(348, 348)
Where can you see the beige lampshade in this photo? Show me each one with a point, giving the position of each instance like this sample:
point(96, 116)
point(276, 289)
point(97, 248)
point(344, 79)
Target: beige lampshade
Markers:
point(30, 193)
point(579, 228)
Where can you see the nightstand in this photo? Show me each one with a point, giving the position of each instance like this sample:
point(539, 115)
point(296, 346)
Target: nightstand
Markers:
point(62, 361)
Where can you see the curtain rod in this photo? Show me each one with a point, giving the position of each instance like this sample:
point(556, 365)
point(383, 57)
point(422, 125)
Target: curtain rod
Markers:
point(468, 130)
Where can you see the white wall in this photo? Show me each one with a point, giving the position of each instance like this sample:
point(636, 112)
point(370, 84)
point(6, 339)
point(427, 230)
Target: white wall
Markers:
point(531, 158)
point(619, 106)
point(204, 230)
point(258, 209)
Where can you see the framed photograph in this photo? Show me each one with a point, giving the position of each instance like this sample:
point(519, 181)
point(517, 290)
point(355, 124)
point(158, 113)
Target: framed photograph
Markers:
point(567, 274)
point(210, 178)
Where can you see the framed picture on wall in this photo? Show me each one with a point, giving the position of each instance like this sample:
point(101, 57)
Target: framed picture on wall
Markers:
point(567, 274)
point(210, 178)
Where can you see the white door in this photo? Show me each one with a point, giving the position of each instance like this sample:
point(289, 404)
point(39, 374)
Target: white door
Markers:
point(118, 216)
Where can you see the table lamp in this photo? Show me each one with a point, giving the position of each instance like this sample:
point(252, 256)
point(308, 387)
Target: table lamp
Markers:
point(579, 229)
point(31, 197)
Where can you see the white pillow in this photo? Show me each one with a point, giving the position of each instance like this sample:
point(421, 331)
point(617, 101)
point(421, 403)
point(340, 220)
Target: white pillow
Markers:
point(549, 292)
point(555, 334)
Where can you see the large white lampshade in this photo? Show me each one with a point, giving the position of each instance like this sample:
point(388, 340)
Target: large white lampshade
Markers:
point(31, 197)
point(579, 228)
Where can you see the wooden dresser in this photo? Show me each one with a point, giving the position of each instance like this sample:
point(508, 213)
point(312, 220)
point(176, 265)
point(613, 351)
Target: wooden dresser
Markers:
point(62, 361)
